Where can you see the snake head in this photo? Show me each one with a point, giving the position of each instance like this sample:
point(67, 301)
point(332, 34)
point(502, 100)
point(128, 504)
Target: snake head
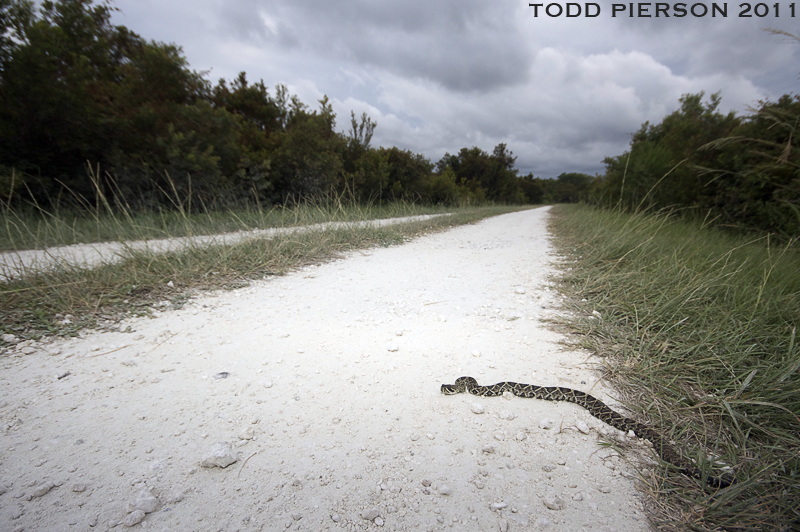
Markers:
point(450, 389)
point(462, 384)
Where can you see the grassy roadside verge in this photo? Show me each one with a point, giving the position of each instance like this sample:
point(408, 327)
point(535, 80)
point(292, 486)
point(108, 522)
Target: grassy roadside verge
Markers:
point(38, 229)
point(700, 333)
point(67, 299)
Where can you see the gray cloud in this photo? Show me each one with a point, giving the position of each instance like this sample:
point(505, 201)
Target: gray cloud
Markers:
point(465, 45)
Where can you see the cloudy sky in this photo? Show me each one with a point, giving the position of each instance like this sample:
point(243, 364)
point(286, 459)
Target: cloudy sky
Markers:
point(439, 75)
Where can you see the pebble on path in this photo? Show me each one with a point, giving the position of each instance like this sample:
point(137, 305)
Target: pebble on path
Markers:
point(41, 489)
point(220, 455)
point(370, 514)
point(145, 502)
point(554, 502)
point(133, 518)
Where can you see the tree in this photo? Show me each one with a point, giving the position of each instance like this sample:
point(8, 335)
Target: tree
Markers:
point(485, 176)
point(76, 89)
point(660, 169)
point(756, 174)
point(408, 174)
point(252, 102)
point(361, 133)
point(306, 154)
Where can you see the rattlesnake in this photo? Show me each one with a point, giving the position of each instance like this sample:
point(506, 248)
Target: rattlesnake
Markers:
point(595, 407)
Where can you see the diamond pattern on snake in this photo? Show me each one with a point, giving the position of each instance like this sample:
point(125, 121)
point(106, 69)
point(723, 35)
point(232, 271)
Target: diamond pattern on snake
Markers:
point(595, 407)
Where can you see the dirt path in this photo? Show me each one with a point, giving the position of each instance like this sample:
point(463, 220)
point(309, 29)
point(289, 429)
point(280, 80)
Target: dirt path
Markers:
point(324, 386)
point(16, 263)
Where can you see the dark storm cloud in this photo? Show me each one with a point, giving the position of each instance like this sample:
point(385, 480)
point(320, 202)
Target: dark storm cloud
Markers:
point(463, 45)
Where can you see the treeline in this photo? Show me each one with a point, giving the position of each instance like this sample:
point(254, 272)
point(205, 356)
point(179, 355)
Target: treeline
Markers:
point(734, 171)
point(90, 110)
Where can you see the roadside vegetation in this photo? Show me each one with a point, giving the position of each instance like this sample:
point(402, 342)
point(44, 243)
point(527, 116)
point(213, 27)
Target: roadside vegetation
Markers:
point(39, 228)
point(681, 267)
point(737, 172)
point(699, 330)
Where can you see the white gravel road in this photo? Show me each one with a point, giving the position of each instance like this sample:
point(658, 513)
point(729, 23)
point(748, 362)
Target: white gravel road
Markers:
point(324, 386)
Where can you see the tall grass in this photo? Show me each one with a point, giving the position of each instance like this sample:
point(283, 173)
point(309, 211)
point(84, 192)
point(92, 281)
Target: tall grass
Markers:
point(34, 227)
point(700, 331)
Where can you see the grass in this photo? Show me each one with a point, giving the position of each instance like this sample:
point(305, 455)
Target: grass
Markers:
point(699, 330)
point(37, 228)
point(68, 298)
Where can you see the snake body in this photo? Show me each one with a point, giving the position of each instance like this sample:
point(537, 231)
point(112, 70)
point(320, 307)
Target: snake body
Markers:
point(595, 407)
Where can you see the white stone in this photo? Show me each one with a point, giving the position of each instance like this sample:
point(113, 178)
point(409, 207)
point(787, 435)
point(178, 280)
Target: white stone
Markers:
point(220, 455)
point(41, 489)
point(546, 424)
point(134, 518)
point(554, 502)
point(144, 502)
point(370, 514)
point(507, 415)
point(477, 408)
